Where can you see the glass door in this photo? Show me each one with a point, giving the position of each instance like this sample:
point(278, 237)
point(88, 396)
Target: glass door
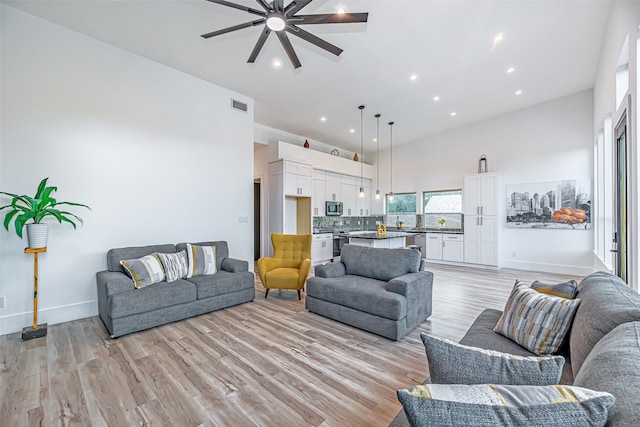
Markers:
point(620, 194)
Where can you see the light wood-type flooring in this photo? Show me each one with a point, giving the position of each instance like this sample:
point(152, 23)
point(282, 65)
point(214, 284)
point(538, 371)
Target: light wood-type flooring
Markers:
point(265, 363)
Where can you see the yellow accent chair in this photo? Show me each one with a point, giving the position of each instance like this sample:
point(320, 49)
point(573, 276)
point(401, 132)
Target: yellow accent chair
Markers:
point(289, 267)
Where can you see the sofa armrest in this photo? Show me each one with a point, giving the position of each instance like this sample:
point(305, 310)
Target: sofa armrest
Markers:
point(109, 283)
point(331, 270)
point(417, 288)
point(233, 265)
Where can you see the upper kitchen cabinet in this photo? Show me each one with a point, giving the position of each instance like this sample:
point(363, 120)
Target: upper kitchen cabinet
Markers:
point(297, 179)
point(319, 192)
point(350, 195)
point(481, 194)
point(333, 187)
point(363, 203)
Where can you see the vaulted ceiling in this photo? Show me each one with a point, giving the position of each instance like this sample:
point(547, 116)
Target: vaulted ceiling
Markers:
point(450, 48)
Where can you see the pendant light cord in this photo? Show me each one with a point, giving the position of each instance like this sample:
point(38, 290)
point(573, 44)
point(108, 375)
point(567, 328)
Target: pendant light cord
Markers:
point(361, 146)
point(391, 158)
point(378, 154)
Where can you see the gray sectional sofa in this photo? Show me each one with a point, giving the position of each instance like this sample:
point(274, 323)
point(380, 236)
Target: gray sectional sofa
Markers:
point(379, 290)
point(603, 352)
point(125, 309)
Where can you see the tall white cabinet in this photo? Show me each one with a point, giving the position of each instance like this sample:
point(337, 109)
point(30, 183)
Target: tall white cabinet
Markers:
point(483, 210)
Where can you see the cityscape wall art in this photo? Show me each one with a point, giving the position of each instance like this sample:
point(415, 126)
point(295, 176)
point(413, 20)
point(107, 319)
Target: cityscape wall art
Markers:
point(555, 205)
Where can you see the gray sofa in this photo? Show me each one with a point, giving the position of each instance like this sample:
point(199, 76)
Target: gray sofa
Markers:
point(125, 309)
point(603, 351)
point(379, 290)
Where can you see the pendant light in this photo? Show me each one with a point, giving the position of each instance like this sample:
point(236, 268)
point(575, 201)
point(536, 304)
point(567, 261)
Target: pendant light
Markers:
point(361, 150)
point(391, 162)
point(378, 155)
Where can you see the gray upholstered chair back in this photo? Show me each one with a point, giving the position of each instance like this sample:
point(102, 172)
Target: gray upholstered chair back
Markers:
point(222, 250)
point(115, 255)
point(379, 263)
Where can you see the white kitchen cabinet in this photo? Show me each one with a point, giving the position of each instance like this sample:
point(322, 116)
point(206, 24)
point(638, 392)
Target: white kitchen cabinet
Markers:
point(333, 189)
point(297, 179)
point(319, 191)
point(482, 196)
point(349, 196)
point(433, 246)
point(321, 248)
point(453, 247)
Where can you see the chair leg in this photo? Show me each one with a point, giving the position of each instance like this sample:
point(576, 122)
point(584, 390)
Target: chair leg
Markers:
point(266, 293)
point(299, 297)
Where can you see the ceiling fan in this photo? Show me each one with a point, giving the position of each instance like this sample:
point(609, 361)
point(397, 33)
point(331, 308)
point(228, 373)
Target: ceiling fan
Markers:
point(283, 20)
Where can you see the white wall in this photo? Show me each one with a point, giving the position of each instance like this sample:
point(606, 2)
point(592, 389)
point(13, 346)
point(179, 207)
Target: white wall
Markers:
point(159, 155)
point(548, 142)
point(624, 19)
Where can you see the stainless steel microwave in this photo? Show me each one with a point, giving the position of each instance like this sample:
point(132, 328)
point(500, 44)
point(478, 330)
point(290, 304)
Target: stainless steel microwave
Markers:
point(333, 208)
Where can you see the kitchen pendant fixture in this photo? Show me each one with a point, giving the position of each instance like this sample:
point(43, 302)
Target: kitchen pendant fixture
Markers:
point(281, 19)
point(378, 155)
point(361, 150)
point(391, 162)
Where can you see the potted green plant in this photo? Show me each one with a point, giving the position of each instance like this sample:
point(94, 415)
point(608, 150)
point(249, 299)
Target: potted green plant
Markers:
point(23, 209)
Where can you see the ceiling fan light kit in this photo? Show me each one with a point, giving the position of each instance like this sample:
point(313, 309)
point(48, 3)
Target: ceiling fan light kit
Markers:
point(282, 20)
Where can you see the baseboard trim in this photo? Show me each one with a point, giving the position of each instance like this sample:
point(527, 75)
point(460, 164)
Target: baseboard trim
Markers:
point(52, 315)
point(550, 268)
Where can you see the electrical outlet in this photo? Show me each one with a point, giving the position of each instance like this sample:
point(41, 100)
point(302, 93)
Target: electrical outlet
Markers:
point(243, 219)
point(1, 302)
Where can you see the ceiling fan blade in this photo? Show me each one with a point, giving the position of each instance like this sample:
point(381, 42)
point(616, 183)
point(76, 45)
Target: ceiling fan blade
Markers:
point(278, 5)
point(286, 44)
point(239, 6)
point(330, 18)
point(265, 5)
point(235, 27)
point(258, 47)
point(305, 35)
point(293, 7)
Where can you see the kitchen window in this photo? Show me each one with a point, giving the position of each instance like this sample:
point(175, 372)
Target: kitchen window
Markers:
point(442, 209)
point(402, 208)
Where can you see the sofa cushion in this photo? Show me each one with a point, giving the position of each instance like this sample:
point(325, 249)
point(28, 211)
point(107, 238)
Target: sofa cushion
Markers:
point(175, 265)
point(567, 289)
point(536, 321)
point(223, 282)
point(481, 334)
point(152, 297)
point(613, 365)
point(504, 405)
point(144, 271)
point(360, 293)
point(454, 363)
point(379, 263)
point(114, 256)
point(202, 260)
point(606, 303)
point(222, 250)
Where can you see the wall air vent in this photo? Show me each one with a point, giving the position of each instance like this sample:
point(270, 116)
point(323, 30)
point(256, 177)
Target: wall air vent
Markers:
point(237, 105)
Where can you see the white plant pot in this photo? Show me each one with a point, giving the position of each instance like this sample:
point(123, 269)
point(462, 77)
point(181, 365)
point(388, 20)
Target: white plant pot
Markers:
point(37, 235)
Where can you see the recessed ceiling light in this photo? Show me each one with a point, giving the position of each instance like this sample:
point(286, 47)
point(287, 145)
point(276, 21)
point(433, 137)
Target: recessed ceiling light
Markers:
point(453, 114)
point(436, 98)
point(510, 70)
point(518, 92)
point(323, 119)
point(375, 139)
point(341, 11)
point(352, 130)
point(498, 39)
point(414, 77)
point(276, 63)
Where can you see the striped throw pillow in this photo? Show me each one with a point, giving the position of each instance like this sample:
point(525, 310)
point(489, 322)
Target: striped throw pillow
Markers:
point(536, 321)
point(504, 405)
point(175, 265)
point(144, 271)
point(202, 260)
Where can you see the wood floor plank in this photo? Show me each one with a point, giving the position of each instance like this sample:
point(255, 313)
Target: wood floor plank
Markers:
point(265, 363)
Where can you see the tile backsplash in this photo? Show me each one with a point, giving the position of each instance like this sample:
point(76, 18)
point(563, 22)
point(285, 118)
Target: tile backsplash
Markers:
point(346, 223)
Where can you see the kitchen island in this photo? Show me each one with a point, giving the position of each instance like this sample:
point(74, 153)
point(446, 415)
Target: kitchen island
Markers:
point(371, 239)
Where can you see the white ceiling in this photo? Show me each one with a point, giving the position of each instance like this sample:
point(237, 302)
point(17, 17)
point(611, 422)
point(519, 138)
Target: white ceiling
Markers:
point(553, 45)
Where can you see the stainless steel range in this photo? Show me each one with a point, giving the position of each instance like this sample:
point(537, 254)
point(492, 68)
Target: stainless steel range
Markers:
point(339, 240)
